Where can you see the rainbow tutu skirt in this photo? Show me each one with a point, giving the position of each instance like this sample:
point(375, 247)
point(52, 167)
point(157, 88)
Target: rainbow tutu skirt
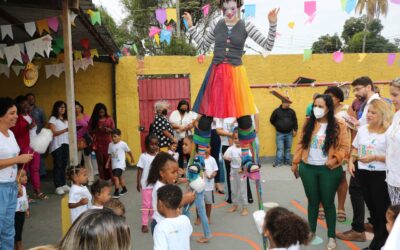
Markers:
point(225, 92)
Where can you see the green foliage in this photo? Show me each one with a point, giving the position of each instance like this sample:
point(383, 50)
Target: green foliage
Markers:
point(327, 44)
point(374, 44)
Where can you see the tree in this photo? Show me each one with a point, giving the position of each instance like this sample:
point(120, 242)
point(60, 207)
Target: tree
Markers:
point(358, 39)
point(327, 44)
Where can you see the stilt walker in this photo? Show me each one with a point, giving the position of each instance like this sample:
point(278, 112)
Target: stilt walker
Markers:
point(225, 91)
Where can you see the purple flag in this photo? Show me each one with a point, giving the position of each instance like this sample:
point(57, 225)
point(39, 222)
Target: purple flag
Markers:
point(161, 15)
point(391, 58)
point(395, 1)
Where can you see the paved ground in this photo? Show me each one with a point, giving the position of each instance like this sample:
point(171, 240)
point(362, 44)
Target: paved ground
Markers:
point(231, 231)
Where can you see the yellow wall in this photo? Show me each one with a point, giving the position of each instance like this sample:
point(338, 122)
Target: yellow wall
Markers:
point(273, 69)
point(91, 86)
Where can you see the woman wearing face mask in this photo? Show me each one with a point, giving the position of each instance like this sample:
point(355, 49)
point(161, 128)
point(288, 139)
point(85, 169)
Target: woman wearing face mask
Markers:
point(322, 147)
point(161, 126)
point(393, 149)
point(182, 122)
point(225, 91)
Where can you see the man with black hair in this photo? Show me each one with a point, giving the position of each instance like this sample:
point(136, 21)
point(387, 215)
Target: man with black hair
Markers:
point(174, 231)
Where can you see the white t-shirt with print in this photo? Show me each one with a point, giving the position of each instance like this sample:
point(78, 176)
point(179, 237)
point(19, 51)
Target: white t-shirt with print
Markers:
point(144, 163)
point(393, 152)
point(117, 152)
point(210, 166)
point(173, 234)
point(368, 143)
point(22, 202)
point(156, 216)
point(177, 119)
point(226, 124)
point(75, 195)
point(59, 139)
point(235, 154)
point(316, 155)
point(8, 149)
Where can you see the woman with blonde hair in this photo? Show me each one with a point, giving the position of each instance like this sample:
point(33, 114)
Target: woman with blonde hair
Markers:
point(161, 126)
point(393, 149)
point(369, 148)
point(97, 229)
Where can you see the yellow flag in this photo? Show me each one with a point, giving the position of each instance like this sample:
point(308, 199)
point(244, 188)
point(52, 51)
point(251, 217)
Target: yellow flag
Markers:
point(94, 52)
point(157, 38)
point(77, 54)
point(42, 25)
point(362, 57)
point(171, 14)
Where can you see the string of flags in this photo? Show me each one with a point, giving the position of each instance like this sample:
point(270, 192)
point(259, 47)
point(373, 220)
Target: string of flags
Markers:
point(338, 57)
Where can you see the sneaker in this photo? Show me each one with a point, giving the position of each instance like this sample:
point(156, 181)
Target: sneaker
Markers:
point(352, 235)
point(331, 244)
point(116, 194)
point(66, 188)
point(277, 165)
point(124, 191)
point(60, 191)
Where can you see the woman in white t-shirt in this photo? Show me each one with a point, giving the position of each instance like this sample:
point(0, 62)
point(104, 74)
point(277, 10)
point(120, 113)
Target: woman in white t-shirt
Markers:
point(59, 147)
point(182, 122)
point(369, 147)
point(318, 159)
point(393, 149)
point(9, 158)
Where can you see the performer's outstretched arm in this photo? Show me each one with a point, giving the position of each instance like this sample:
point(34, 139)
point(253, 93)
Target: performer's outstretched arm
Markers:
point(266, 42)
point(203, 40)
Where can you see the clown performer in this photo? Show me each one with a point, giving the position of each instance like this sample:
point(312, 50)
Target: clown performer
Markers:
point(225, 91)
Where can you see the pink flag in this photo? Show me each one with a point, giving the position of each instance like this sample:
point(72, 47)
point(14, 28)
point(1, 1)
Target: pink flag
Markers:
point(154, 30)
point(53, 23)
point(338, 56)
point(169, 28)
point(391, 58)
point(310, 7)
point(206, 10)
point(161, 15)
point(395, 1)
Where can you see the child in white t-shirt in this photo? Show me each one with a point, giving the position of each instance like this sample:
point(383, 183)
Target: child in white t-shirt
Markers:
point(144, 165)
point(22, 210)
point(210, 171)
point(173, 232)
point(79, 195)
point(116, 151)
point(101, 192)
point(237, 175)
point(172, 150)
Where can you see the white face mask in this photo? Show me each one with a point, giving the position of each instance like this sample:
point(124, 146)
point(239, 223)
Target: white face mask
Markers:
point(318, 112)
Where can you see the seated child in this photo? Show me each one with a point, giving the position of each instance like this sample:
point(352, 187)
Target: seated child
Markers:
point(174, 231)
point(101, 192)
point(285, 230)
point(79, 195)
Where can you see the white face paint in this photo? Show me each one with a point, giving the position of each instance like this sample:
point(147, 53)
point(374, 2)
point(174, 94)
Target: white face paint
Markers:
point(230, 9)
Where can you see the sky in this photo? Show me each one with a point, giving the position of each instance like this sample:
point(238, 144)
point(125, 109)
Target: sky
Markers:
point(329, 19)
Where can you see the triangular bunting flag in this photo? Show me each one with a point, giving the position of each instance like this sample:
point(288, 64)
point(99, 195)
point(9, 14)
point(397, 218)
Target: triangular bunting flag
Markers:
point(85, 43)
point(59, 42)
point(6, 30)
point(53, 23)
point(77, 54)
point(95, 18)
point(161, 16)
point(12, 52)
point(94, 52)
point(135, 49)
point(54, 70)
point(73, 15)
point(77, 65)
point(17, 69)
point(21, 47)
point(206, 10)
point(171, 14)
point(165, 36)
point(153, 31)
point(157, 38)
point(4, 70)
point(42, 26)
point(2, 46)
point(30, 28)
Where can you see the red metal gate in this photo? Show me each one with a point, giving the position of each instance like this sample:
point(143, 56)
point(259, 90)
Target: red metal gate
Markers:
point(152, 90)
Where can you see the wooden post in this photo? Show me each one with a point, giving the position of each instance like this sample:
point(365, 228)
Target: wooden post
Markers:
point(69, 83)
point(178, 21)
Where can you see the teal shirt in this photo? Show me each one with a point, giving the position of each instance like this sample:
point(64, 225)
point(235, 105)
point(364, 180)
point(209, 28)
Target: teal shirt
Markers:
point(309, 110)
